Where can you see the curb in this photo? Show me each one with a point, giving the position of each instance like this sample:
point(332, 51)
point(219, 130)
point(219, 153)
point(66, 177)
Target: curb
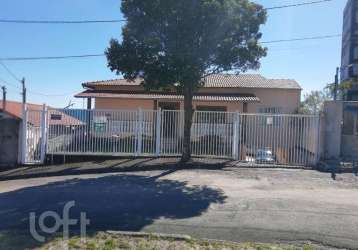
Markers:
point(159, 235)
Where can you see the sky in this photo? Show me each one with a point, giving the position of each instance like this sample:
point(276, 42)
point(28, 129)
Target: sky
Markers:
point(54, 82)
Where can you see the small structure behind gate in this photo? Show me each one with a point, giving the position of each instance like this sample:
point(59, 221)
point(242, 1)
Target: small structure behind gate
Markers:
point(252, 138)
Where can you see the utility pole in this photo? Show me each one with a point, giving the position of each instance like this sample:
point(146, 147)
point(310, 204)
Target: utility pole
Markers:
point(24, 124)
point(23, 91)
point(336, 80)
point(3, 98)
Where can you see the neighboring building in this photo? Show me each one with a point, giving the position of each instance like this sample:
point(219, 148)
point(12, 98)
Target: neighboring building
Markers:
point(222, 92)
point(340, 130)
point(9, 139)
point(11, 129)
point(349, 60)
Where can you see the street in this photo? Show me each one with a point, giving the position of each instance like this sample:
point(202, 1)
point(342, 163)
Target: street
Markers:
point(256, 205)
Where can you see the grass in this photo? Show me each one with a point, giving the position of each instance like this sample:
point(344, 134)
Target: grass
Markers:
point(105, 241)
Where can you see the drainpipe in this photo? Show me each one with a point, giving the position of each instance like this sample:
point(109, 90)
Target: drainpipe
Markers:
point(3, 98)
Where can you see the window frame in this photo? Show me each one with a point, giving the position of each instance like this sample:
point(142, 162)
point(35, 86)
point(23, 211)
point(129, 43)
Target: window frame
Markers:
point(219, 118)
point(270, 110)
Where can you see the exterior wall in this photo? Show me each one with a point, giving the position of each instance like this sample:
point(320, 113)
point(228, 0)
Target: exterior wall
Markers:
point(111, 103)
point(287, 100)
point(230, 106)
point(9, 139)
point(333, 114)
point(349, 148)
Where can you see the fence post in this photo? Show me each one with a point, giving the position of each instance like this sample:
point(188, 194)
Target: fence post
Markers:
point(139, 131)
point(24, 135)
point(235, 137)
point(43, 133)
point(318, 139)
point(157, 132)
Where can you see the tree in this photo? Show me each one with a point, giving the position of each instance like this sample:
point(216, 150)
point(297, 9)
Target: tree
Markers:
point(314, 101)
point(341, 88)
point(175, 44)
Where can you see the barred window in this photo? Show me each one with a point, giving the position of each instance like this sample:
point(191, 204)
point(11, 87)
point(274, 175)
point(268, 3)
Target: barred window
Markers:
point(270, 110)
point(213, 114)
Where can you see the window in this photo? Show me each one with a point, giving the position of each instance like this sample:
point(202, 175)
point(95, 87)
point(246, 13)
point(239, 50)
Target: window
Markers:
point(270, 120)
point(211, 114)
point(348, 123)
point(270, 110)
point(211, 108)
point(56, 117)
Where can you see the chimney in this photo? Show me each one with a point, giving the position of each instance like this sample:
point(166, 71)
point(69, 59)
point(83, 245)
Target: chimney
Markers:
point(3, 98)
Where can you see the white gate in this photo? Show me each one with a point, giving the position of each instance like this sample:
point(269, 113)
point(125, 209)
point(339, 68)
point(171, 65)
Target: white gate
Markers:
point(34, 136)
point(250, 138)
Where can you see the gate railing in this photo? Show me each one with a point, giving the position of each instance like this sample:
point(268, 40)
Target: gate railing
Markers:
point(34, 135)
point(251, 138)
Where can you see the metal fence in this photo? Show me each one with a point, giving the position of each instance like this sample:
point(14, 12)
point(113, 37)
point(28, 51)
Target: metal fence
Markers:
point(35, 139)
point(250, 138)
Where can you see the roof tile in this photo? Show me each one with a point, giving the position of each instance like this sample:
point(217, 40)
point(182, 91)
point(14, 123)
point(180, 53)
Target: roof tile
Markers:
point(230, 98)
point(218, 81)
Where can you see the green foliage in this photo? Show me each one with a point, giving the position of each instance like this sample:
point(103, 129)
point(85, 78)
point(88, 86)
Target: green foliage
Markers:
point(109, 244)
point(91, 245)
point(345, 85)
point(174, 43)
point(313, 102)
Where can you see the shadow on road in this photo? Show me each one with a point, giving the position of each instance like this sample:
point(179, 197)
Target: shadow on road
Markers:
point(117, 166)
point(124, 202)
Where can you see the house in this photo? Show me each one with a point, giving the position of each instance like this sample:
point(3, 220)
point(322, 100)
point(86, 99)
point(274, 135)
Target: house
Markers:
point(246, 93)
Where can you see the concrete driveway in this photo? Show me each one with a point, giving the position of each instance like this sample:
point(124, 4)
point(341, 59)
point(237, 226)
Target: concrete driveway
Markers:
point(260, 205)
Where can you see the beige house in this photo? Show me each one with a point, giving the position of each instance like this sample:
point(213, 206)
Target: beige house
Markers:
point(247, 93)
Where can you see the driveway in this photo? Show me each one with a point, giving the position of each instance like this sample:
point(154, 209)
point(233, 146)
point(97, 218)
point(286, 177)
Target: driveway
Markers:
point(260, 205)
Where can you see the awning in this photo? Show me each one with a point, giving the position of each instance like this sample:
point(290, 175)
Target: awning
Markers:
point(155, 96)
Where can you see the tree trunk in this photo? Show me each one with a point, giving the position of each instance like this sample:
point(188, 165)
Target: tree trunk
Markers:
point(188, 120)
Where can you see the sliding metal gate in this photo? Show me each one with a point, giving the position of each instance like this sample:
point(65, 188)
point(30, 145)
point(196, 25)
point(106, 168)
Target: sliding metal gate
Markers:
point(252, 138)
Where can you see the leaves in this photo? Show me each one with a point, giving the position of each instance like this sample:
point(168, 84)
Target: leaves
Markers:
point(313, 102)
point(174, 43)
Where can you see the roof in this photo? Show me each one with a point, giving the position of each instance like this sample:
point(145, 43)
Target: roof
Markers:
point(217, 81)
point(153, 96)
point(15, 109)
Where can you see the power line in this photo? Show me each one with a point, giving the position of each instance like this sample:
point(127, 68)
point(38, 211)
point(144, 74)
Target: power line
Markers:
point(52, 95)
point(22, 21)
point(21, 81)
point(302, 39)
point(35, 92)
point(101, 55)
point(9, 84)
point(49, 57)
point(9, 71)
point(297, 4)
point(59, 21)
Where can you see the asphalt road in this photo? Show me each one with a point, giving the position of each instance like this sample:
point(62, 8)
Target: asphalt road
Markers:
point(259, 205)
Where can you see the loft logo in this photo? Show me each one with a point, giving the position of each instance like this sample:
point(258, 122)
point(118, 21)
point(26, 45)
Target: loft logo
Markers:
point(65, 222)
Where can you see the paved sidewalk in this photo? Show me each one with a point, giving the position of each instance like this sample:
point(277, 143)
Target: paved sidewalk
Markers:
point(258, 205)
point(122, 165)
